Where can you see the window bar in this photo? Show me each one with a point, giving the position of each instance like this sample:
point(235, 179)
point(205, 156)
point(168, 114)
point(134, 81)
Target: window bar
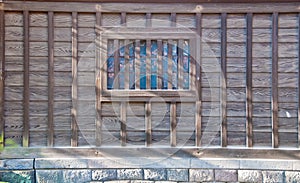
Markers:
point(159, 64)
point(180, 65)
point(99, 87)
point(50, 79)
point(122, 56)
point(123, 123)
point(116, 84)
point(299, 81)
point(148, 124)
point(275, 142)
point(26, 81)
point(186, 64)
point(148, 64)
point(173, 121)
point(74, 125)
point(223, 80)
point(198, 117)
point(2, 83)
point(170, 65)
point(137, 64)
point(249, 109)
point(126, 73)
point(193, 62)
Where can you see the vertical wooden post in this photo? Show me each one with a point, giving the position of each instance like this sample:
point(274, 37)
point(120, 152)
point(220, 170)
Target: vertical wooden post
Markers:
point(99, 87)
point(50, 79)
point(2, 76)
point(173, 122)
point(26, 81)
point(126, 74)
point(198, 117)
point(137, 63)
point(275, 142)
point(123, 135)
point(74, 125)
point(159, 64)
point(249, 137)
point(223, 79)
point(299, 81)
point(148, 124)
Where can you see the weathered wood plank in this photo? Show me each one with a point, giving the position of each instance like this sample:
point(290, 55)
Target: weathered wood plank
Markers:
point(86, 35)
point(211, 35)
point(38, 34)
point(62, 78)
point(62, 49)
point(287, 80)
point(236, 139)
point(38, 19)
point(14, 64)
point(74, 125)
point(288, 20)
point(86, 20)
point(14, 49)
point(236, 35)
point(262, 50)
point(262, 80)
point(262, 139)
point(287, 35)
point(50, 135)
point(136, 20)
point(261, 94)
point(13, 33)
point(211, 21)
point(13, 93)
point(148, 118)
point(262, 35)
point(62, 138)
point(236, 80)
point(198, 104)
point(224, 81)
point(25, 137)
point(236, 21)
point(38, 79)
point(262, 109)
point(173, 126)
point(298, 120)
point(288, 139)
point(288, 65)
point(186, 20)
point(262, 20)
point(275, 84)
point(38, 64)
point(2, 75)
point(236, 50)
point(62, 19)
point(39, 49)
point(62, 34)
point(123, 119)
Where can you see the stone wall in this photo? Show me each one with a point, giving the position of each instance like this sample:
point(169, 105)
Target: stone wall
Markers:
point(155, 170)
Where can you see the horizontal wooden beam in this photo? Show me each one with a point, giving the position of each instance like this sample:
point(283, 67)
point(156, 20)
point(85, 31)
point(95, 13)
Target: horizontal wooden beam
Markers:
point(283, 154)
point(192, 6)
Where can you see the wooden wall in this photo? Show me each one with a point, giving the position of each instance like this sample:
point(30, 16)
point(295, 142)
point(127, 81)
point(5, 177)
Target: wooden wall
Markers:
point(49, 69)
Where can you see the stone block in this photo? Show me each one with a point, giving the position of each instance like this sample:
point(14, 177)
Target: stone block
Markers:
point(178, 174)
point(49, 176)
point(214, 163)
point(155, 174)
point(70, 176)
point(226, 175)
point(266, 164)
point(104, 174)
point(16, 164)
point(201, 175)
point(249, 176)
point(292, 177)
point(17, 176)
point(68, 163)
point(273, 176)
point(130, 174)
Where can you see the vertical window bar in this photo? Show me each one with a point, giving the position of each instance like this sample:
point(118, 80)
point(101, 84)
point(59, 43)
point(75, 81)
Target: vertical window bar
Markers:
point(116, 84)
point(154, 61)
point(180, 65)
point(275, 142)
point(137, 64)
point(2, 83)
point(74, 125)
point(50, 79)
point(131, 64)
point(26, 81)
point(160, 64)
point(170, 65)
point(186, 64)
point(148, 64)
point(126, 72)
point(249, 109)
point(143, 66)
point(122, 56)
point(223, 80)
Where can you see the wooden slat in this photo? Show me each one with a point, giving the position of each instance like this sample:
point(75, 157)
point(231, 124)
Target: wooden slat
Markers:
point(173, 123)
point(2, 72)
point(116, 84)
point(50, 79)
point(170, 69)
point(275, 142)
point(159, 64)
point(224, 79)
point(123, 135)
point(148, 124)
point(198, 117)
point(137, 63)
point(74, 125)
point(26, 81)
point(298, 82)
point(148, 64)
point(99, 87)
point(249, 140)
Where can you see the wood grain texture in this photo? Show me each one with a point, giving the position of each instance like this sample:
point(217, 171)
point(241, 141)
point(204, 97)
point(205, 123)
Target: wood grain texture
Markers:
point(224, 78)
point(275, 84)
point(298, 120)
point(2, 83)
point(62, 19)
point(25, 137)
point(13, 33)
point(50, 136)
